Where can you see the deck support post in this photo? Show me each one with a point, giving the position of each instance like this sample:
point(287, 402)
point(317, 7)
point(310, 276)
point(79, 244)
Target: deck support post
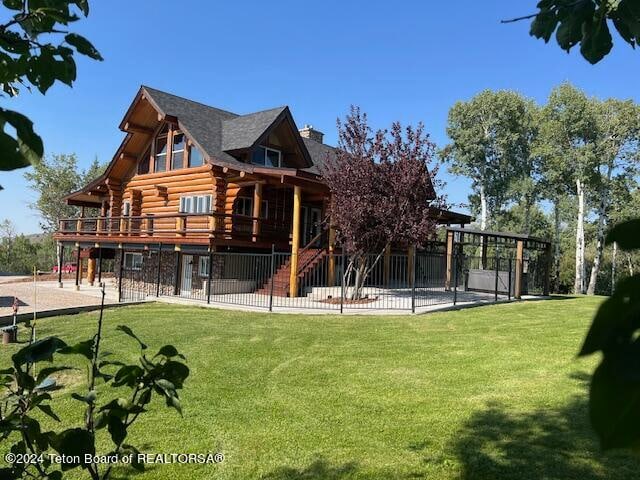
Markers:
point(209, 276)
point(449, 253)
point(295, 241)
point(257, 210)
point(519, 269)
point(91, 270)
point(120, 273)
point(78, 267)
point(331, 270)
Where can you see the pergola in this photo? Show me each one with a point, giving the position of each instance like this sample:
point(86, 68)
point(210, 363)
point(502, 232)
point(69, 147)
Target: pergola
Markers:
point(458, 238)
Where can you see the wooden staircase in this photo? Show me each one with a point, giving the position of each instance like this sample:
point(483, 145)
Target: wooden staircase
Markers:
point(308, 259)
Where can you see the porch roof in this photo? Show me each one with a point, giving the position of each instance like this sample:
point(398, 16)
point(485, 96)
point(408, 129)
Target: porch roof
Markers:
point(530, 241)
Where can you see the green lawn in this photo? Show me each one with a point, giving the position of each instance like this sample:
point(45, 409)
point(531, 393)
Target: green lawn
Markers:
point(493, 392)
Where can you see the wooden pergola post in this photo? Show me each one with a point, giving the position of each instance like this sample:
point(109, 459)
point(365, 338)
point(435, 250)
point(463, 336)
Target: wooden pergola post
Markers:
point(257, 210)
point(91, 270)
point(519, 269)
point(547, 270)
point(411, 254)
point(295, 241)
point(449, 254)
point(331, 270)
point(78, 267)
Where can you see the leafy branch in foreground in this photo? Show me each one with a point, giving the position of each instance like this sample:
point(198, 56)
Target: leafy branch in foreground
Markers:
point(614, 403)
point(585, 22)
point(162, 374)
point(29, 61)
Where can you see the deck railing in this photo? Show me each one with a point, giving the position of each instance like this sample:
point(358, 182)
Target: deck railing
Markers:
point(207, 225)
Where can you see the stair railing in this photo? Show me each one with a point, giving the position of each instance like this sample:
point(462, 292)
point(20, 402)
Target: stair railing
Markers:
point(324, 226)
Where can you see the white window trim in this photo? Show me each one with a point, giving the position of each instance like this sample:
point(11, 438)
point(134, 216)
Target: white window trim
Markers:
point(126, 208)
point(180, 151)
point(194, 201)
point(132, 255)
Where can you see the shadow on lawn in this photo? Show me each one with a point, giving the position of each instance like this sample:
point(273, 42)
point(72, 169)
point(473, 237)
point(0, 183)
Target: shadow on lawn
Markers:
point(319, 469)
point(544, 444)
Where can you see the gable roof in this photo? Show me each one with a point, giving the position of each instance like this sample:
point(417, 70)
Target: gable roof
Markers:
point(319, 153)
point(243, 131)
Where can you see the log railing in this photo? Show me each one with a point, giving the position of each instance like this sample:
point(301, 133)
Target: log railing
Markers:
point(208, 225)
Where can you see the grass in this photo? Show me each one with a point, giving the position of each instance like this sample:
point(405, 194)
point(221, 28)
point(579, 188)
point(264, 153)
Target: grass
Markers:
point(494, 392)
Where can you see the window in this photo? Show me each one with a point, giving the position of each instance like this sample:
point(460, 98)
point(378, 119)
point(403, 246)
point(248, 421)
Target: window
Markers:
point(203, 267)
point(195, 204)
point(161, 154)
point(143, 165)
point(244, 206)
point(268, 157)
point(126, 208)
point(133, 261)
point(195, 157)
point(177, 150)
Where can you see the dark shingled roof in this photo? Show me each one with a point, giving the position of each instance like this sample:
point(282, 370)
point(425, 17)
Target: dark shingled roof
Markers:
point(244, 131)
point(319, 153)
point(218, 131)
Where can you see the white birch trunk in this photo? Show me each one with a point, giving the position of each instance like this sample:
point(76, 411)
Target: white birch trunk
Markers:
point(614, 257)
point(629, 265)
point(483, 209)
point(556, 246)
point(597, 259)
point(579, 283)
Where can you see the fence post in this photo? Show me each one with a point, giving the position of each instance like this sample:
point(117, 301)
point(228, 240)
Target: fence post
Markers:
point(413, 279)
point(158, 273)
point(209, 277)
point(509, 286)
point(455, 277)
point(60, 263)
point(342, 284)
point(121, 270)
point(273, 267)
point(495, 299)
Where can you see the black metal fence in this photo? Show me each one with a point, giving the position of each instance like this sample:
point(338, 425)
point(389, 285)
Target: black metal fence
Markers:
point(327, 281)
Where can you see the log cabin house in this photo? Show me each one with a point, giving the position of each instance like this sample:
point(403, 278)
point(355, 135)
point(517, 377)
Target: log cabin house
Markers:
point(189, 179)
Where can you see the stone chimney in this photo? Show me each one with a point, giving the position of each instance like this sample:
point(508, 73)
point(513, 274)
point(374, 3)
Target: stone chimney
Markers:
point(309, 132)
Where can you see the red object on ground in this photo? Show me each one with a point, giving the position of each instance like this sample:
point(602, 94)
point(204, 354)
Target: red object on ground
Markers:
point(66, 268)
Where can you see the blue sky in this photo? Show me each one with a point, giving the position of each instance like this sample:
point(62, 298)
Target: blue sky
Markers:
point(406, 61)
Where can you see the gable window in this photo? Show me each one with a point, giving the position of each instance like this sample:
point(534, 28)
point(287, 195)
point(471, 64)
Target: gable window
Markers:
point(161, 153)
point(133, 261)
point(144, 163)
point(203, 266)
point(244, 206)
point(195, 157)
point(269, 157)
point(177, 150)
point(195, 204)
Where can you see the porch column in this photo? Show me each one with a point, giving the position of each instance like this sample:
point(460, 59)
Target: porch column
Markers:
point(449, 254)
point(257, 209)
point(519, 270)
point(295, 241)
point(331, 273)
point(60, 263)
point(387, 265)
point(91, 270)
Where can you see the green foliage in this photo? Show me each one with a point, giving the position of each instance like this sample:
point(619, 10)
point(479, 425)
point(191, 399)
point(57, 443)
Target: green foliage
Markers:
point(161, 375)
point(19, 254)
point(29, 61)
point(53, 179)
point(615, 387)
point(587, 22)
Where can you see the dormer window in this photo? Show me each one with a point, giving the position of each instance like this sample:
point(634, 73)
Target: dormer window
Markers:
point(161, 151)
point(169, 150)
point(269, 157)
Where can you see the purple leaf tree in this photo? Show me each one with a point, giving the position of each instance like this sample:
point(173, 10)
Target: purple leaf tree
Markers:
point(382, 188)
